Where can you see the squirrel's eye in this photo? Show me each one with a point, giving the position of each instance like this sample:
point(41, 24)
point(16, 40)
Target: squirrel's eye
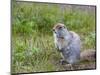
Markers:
point(53, 30)
point(60, 27)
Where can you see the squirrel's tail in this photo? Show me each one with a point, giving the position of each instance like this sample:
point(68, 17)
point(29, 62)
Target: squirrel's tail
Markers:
point(88, 55)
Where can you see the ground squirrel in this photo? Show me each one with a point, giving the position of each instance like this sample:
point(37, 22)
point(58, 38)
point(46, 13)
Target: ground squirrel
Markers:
point(69, 44)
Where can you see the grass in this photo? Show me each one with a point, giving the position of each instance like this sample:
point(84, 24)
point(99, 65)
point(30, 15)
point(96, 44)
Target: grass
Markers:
point(33, 47)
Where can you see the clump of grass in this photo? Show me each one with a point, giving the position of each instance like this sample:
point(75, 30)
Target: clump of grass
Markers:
point(39, 58)
point(33, 47)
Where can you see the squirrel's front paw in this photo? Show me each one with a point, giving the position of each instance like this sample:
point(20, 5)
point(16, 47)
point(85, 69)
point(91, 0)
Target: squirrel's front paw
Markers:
point(59, 50)
point(62, 62)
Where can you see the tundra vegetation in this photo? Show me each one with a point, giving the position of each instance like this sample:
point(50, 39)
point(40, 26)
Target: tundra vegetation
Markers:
point(33, 48)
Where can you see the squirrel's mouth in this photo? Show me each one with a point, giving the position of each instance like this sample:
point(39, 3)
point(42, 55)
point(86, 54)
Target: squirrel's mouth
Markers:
point(61, 37)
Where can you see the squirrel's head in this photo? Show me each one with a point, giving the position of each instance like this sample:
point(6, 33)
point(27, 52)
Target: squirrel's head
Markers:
point(59, 30)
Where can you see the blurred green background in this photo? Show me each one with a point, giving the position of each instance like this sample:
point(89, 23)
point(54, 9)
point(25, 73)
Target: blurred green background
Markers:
point(33, 47)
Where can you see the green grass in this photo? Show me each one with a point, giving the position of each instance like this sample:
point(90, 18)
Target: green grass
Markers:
point(33, 47)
